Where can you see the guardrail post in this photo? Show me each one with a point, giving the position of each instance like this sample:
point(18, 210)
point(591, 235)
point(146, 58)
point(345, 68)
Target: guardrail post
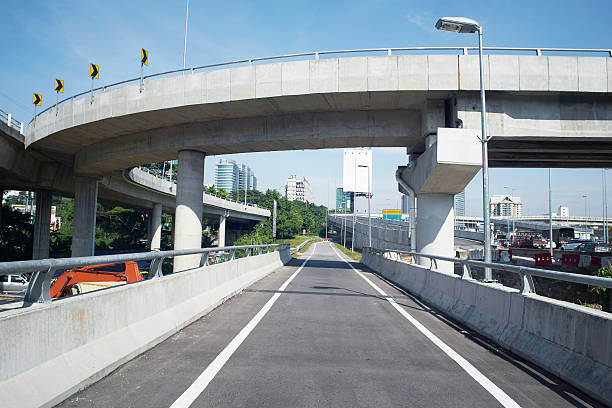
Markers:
point(259, 249)
point(527, 285)
point(21, 126)
point(465, 51)
point(8, 120)
point(538, 52)
point(467, 272)
point(389, 51)
point(155, 270)
point(247, 252)
point(39, 287)
point(316, 56)
point(232, 254)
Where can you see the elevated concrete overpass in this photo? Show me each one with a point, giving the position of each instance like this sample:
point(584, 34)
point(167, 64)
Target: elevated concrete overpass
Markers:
point(542, 111)
point(52, 172)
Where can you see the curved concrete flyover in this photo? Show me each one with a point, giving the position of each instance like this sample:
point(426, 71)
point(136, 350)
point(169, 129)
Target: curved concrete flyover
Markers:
point(540, 102)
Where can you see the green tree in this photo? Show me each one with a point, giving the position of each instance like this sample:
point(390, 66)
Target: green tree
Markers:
point(15, 235)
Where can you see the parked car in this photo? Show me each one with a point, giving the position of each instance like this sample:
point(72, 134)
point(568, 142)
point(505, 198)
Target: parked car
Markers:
point(573, 244)
point(13, 283)
point(592, 247)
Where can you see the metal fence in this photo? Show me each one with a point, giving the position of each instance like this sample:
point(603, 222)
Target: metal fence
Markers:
point(318, 54)
point(11, 121)
point(43, 269)
point(525, 273)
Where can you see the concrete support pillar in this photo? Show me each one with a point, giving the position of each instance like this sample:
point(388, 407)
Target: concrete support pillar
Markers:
point(221, 235)
point(156, 227)
point(435, 229)
point(84, 223)
point(189, 207)
point(42, 225)
point(1, 203)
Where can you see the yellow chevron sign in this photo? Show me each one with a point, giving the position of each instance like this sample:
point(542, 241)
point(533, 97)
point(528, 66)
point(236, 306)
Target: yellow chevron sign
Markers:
point(59, 85)
point(94, 71)
point(144, 57)
point(36, 99)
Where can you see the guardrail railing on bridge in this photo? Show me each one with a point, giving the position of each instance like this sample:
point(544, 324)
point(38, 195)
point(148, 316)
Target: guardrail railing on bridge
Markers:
point(44, 269)
point(526, 273)
point(317, 54)
point(11, 121)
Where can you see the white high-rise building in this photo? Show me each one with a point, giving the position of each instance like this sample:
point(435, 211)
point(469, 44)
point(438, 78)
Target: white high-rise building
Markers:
point(506, 206)
point(298, 189)
point(460, 204)
point(563, 211)
point(232, 176)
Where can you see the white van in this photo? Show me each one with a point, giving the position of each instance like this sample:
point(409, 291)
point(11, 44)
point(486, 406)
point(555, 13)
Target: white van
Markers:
point(13, 283)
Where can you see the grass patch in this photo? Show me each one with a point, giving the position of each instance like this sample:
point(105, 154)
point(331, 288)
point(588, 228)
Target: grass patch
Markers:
point(305, 247)
point(297, 240)
point(355, 256)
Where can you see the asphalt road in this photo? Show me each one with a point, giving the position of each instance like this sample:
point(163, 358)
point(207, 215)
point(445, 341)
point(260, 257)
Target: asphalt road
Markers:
point(330, 339)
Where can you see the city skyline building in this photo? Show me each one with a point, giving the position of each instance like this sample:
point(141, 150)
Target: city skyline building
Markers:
point(233, 176)
point(298, 189)
point(344, 200)
point(505, 206)
point(460, 204)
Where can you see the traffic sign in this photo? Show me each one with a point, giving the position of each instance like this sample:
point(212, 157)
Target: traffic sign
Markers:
point(94, 71)
point(37, 99)
point(59, 85)
point(144, 57)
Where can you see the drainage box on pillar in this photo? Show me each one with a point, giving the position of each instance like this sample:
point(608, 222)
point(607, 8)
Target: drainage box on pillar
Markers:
point(443, 170)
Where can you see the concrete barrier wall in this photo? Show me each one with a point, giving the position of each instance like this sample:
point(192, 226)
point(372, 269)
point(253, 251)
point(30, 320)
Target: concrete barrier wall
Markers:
point(50, 351)
point(476, 236)
point(568, 340)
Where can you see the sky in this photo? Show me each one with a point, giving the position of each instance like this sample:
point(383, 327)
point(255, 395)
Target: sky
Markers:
point(42, 40)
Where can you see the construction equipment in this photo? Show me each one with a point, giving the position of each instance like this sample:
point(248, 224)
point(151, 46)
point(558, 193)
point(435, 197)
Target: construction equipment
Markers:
point(71, 282)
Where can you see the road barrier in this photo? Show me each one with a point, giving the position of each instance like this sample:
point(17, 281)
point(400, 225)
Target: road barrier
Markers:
point(570, 259)
point(542, 259)
point(571, 341)
point(56, 348)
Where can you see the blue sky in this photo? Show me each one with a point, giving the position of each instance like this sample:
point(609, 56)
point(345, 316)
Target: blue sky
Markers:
point(42, 40)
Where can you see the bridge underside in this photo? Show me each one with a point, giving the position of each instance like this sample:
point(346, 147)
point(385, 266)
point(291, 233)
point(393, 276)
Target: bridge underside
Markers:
point(539, 130)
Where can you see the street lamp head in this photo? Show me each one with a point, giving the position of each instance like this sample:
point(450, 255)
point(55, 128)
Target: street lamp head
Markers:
point(458, 25)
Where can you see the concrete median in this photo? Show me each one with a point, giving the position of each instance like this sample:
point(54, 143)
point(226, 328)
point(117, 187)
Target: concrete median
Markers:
point(568, 340)
point(52, 350)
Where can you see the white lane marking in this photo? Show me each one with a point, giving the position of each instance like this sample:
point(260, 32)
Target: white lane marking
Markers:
point(487, 384)
point(200, 384)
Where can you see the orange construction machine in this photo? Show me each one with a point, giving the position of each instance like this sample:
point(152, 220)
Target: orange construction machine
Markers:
point(68, 283)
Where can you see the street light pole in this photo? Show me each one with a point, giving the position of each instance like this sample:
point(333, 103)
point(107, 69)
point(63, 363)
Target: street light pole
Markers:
point(185, 46)
point(550, 228)
point(466, 25)
point(354, 206)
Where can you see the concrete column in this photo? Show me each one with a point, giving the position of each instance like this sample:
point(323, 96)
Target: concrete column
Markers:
point(189, 207)
point(42, 225)
point(84, 223)
point(221, 235)
point(435, 228)
point(1, 203)
point(156, 227)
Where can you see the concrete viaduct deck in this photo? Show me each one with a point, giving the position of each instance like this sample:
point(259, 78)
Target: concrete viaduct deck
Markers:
point(324, 332)
point(540, 109)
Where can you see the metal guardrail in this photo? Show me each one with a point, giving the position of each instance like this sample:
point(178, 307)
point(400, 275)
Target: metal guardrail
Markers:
point(526, 273)
point(11, 121)
point(297, 248)
point(318, 54)
point(43, 269)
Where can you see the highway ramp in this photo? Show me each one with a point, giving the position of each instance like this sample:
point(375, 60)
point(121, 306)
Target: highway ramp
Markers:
point(332, 336)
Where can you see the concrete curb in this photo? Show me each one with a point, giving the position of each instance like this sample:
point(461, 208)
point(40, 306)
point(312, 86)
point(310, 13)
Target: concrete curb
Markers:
point(570, 341)
point(83, 339)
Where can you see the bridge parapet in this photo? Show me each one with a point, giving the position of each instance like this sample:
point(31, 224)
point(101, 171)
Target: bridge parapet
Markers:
point(571, 341)
point(65, 345)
